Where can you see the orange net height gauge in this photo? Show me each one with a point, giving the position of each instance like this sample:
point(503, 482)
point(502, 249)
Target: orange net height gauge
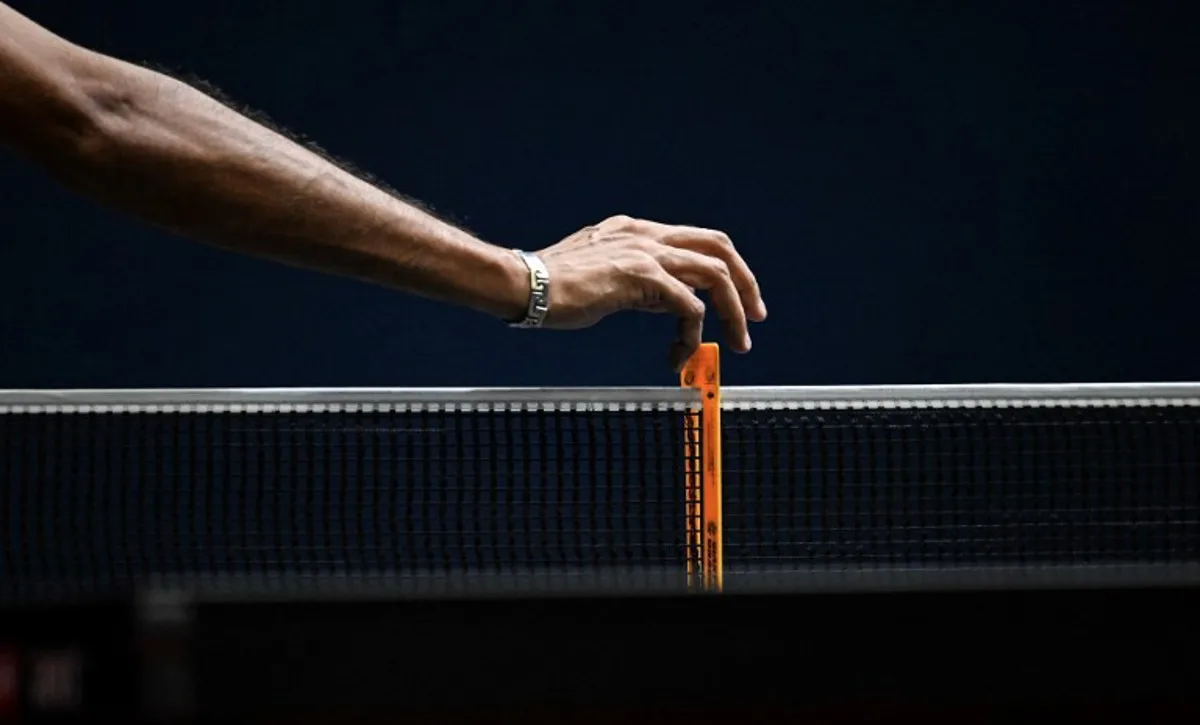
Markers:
point(703, 469)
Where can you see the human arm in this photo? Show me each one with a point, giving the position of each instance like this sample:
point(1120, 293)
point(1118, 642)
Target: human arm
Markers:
point(159, 150)
point(162, 151)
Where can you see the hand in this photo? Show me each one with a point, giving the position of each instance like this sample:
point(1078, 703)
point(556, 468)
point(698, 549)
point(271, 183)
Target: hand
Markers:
point(634, 264)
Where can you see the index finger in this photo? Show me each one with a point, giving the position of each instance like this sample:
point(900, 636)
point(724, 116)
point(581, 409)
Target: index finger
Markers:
point(679, 299)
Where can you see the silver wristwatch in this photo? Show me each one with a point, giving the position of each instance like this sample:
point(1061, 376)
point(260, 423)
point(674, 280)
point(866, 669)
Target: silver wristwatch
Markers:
point(539, 291)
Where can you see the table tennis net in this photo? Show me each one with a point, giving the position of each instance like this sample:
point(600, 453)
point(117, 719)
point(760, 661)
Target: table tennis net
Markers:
point(926, 487)
point(100, 498)
point(104, 501)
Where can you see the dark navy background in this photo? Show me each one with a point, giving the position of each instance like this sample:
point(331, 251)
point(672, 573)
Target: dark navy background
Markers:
point(929, 191)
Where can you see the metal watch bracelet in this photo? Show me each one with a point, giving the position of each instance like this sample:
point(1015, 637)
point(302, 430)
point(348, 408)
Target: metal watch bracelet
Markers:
point(539, 291)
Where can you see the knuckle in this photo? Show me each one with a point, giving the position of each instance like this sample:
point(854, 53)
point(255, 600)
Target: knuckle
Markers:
point(642, 264)
point(720, 269)
point(649, 246)
point(646, 255)
point(619, 221)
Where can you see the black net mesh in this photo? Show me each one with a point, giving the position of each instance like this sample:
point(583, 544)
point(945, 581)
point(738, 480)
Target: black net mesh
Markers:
point(93, 503)
point(809, 490)
point(96, 503)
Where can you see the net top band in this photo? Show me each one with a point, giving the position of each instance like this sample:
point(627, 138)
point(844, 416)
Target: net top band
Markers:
point(596, 398)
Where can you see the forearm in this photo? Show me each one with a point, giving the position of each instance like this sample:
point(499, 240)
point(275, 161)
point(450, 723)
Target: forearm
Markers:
point(164, 152)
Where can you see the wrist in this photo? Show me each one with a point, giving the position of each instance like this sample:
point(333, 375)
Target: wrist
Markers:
point(508, 289)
